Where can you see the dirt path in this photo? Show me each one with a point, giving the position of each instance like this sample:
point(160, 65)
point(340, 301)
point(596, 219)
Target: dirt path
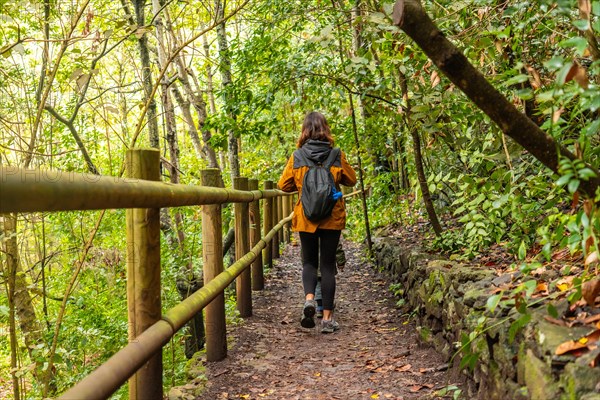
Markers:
point(374, 355)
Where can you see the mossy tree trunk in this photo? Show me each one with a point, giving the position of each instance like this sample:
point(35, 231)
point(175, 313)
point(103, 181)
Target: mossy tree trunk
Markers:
point(140, 20)
point(226, 80)
point(19, 298)
point(435, 223)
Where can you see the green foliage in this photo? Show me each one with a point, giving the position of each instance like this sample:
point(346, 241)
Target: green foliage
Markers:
point(486, 188)
point(452, 390)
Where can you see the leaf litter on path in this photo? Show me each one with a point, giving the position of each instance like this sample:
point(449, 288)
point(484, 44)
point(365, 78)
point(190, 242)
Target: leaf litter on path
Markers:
point(375, 354)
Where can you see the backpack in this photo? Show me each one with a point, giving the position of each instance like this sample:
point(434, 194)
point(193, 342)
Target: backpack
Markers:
point(319, 193)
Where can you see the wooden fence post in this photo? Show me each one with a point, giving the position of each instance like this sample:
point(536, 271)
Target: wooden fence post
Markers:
point(268, 225)
point(285, 213)
point(143, 273)
point(258, 281)
point(212, 249)
point(243, 283)
point(291, 209)
point(276, 218)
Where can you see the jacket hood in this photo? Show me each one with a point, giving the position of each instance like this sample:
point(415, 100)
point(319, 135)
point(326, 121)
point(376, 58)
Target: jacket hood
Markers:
point(316, 150)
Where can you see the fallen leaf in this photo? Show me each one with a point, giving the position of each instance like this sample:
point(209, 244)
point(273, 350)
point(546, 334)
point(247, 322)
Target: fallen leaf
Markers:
point(481, 12)
point(435, 79)
point(536, 81)
point(591, 319)
point(590, 291)
point(375, 396)
point(582, 343)
point(556, 115)
point(568, 347)
point(565, 284)
point(415, 388)
point(541, 287)
point(560, 254)
point(579, 75)
point(575, 202)
point(592, 258)
point(404, 368)
point(499, 46)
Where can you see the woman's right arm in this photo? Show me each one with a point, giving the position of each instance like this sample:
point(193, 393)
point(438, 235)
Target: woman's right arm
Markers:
point(286, 182)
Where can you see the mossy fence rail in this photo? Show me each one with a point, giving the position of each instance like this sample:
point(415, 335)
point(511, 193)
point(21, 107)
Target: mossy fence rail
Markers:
point(25, 190)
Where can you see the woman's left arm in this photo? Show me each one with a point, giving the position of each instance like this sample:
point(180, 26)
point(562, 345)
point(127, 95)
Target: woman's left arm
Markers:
point(348, 173)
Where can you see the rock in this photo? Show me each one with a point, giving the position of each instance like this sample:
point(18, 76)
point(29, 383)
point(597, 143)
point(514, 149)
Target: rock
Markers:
point(549, 335)
point(464, 273)
point(424, 334)
point(579, 379)
point(476, 297)
point(590, 396)
point(195, 366)
point(175, 394)
point(537, 377)
point(502, 280)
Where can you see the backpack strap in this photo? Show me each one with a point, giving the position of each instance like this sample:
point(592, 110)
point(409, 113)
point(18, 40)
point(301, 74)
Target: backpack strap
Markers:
point(332, 157)
point(300, 159)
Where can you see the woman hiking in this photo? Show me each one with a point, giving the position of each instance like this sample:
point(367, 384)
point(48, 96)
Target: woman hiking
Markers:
point(318, 237)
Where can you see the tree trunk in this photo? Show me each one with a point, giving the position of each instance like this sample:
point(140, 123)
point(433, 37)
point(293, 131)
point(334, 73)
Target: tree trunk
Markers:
point(188, 283)
point(209, 76)
point(225, 70)
point(405, 183)
point(146, 74)
point(9, 274)
point(200, 107)
point(410, 16)
point(169, 114)
point(361, 178)
point(435, 224)
point(19, 295)
point(185, 106)
point(437, 228)
point(192, 98)
point(173, 165)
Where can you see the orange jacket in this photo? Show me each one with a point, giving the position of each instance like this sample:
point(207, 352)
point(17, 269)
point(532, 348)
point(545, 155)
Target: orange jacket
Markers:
point(291, 181)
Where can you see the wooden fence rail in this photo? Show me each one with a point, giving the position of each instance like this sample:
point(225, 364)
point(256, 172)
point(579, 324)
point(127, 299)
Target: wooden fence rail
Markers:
point(25, 190)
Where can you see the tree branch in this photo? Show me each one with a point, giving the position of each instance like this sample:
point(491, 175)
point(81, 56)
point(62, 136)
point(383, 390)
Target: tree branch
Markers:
point(69, 124)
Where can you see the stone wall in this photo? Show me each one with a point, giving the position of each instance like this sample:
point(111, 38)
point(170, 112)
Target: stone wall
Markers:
point(449, 301)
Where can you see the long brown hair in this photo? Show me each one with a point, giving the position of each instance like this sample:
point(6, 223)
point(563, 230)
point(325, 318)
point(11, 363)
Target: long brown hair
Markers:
point(315, 127)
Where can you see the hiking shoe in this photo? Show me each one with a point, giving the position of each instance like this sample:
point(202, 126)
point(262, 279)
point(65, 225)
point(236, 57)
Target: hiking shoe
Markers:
point(308, 314)
point(329, 326)
point(319, 312)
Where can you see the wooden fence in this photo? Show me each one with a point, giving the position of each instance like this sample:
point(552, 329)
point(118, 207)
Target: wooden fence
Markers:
point(24, 190)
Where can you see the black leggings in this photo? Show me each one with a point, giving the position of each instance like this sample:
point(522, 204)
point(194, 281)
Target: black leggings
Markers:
point(325, 242)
